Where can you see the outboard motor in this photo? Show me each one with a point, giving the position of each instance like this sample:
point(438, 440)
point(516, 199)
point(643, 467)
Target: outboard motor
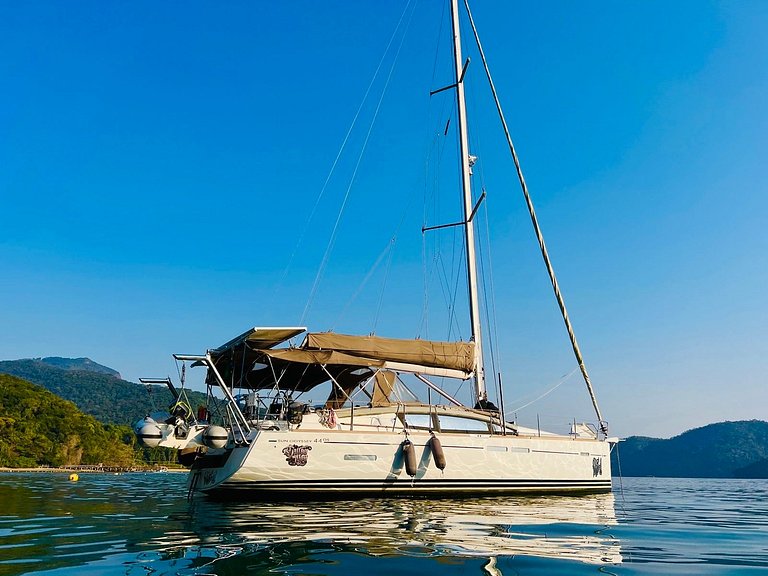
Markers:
point(181, 430)
point(295, 413)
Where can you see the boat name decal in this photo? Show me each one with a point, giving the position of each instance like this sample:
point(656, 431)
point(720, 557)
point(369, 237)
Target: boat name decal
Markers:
point(315, 441)
point(296, 455)
point(597, 466)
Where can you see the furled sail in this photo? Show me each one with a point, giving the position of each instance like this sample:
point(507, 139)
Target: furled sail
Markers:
point(449, 355)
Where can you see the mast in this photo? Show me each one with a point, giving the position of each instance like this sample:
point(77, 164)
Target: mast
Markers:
point(469, 230)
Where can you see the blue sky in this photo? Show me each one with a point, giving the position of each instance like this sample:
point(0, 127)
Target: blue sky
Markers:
point(160, 162)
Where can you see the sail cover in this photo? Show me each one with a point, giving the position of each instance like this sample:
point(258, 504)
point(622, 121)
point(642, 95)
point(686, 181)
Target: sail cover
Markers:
point(450, 355)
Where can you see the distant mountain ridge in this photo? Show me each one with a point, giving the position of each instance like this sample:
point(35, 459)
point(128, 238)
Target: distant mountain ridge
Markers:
point(96, 392)
point(85, 364)
point(723, 450)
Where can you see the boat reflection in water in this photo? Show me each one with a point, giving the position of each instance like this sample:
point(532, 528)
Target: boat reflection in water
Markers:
point(570, 528)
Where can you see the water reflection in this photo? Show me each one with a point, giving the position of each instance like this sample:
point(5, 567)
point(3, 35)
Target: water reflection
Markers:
point(576, 528)
point(142, 524)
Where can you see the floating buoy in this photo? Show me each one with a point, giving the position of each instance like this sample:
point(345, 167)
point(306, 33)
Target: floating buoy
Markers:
point(437, 452)
point(409, 456)
point(74, 477)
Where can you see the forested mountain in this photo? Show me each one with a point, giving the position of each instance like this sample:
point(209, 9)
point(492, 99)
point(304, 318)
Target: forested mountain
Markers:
point(722, 450)
point(106, 398)
point(37, 428)
point(756, 470)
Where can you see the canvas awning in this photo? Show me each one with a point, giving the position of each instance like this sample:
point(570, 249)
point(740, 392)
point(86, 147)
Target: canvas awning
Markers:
point(251, 361)
point(262, 338)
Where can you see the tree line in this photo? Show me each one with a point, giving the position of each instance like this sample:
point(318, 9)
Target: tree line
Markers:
point(38, 428)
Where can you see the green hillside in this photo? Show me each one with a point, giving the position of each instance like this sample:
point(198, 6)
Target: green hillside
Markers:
point(105, 397)
point(722, 450)
point(85, 364)
point(37, 428)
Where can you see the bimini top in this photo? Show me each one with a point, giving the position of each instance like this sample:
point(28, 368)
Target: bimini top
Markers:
point(252, 361)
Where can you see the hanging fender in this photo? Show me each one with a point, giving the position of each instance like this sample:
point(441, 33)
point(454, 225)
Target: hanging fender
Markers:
point(437, 452)
point(409, 457)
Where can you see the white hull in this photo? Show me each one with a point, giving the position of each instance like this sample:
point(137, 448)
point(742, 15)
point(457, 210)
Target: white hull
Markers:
point(338, 462)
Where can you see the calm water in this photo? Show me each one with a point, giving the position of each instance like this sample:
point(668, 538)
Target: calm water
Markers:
point(141, 524)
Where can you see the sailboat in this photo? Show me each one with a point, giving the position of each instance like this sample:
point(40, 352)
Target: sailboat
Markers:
point(373, 436)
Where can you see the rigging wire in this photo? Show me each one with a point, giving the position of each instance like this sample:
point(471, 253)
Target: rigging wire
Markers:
point(332, 239)
point(427, 270)
point(424, 324)
point(300, 241)
point(454, 297)
point(561, 303)
point(449, 294)
point(491, 336)
point(437, 150)
point(385, 252)
point(389, 251)
point(562, 381)
point(178, 370)
point(437, 146)
point(383, 285)
point(493, 322)
point(458, 239)
point(486, 259)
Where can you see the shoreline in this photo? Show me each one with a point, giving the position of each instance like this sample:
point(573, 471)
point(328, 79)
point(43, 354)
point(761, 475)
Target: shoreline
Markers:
point(85, 469)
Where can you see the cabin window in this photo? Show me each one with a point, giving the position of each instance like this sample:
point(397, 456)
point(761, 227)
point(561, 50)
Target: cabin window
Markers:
point(456, 424)
point(419, 421)
point(359, 457)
